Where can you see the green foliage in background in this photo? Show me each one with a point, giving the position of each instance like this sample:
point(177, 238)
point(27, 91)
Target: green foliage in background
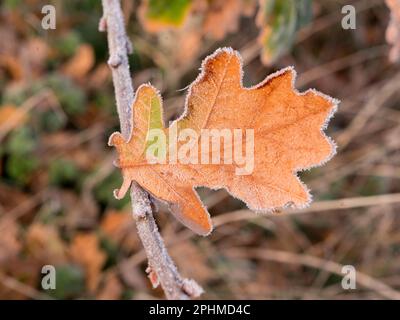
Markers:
point(63, 172)
point(21, 160)
point(67, 44)
point(70, 282)
point(280, 20)
point(71, 97)
point(105, 197)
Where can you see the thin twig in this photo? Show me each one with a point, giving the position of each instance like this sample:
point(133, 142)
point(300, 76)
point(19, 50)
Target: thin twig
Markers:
point(362, 279)
point(374, 103)
point(20, 287)
point(160, 263)
point(248, 215)
point(326, 69)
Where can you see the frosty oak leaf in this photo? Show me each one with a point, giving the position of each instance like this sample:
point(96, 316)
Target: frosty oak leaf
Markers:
point(288, 137)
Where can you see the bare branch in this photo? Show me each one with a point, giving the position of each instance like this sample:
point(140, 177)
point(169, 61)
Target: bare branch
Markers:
point(160, 263)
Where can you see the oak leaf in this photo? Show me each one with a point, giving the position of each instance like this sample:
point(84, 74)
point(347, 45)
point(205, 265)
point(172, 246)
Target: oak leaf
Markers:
point(288, 137)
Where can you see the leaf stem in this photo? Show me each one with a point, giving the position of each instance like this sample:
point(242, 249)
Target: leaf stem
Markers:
point(160, 263)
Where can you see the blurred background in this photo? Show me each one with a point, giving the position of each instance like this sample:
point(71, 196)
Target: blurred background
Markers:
point(57, 110)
